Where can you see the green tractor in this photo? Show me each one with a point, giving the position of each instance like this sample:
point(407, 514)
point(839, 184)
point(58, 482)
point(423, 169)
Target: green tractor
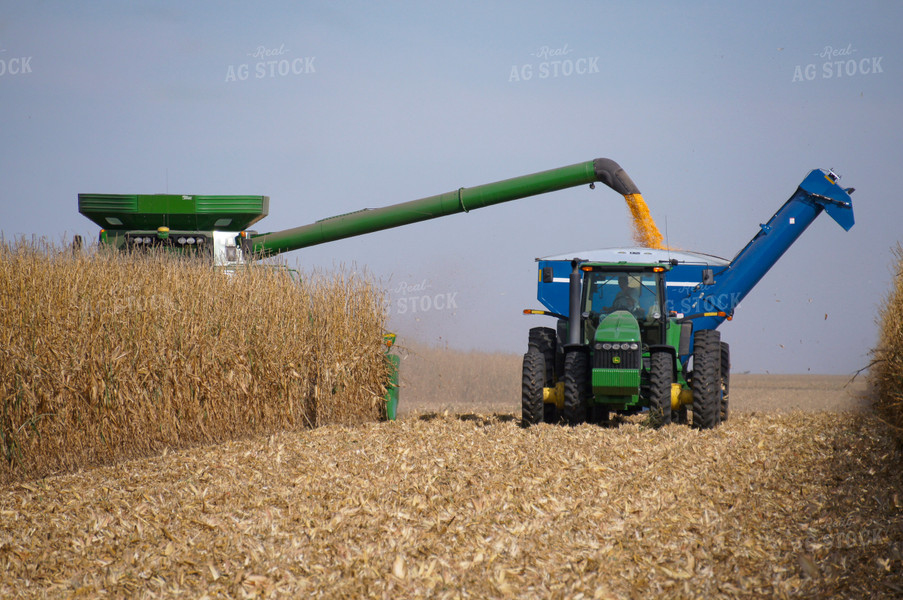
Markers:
point(623, 354)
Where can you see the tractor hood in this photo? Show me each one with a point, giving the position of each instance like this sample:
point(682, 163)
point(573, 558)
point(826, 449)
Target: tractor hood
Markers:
point(618, 327)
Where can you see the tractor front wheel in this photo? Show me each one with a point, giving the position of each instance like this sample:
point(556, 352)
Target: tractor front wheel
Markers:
point(577, 387)
point(534, 373)
point(706, 378)
point(660, 378)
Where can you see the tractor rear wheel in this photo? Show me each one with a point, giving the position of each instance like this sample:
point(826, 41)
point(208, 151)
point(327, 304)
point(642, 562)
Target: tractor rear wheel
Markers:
point(725, 379)
point(577, 387)
point(661, 375)
point(706, 379)
point(534, 372)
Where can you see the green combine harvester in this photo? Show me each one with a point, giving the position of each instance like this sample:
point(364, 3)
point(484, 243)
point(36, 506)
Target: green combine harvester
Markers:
point(216, 227)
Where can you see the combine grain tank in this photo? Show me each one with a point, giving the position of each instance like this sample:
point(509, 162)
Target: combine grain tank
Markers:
point(203, 225)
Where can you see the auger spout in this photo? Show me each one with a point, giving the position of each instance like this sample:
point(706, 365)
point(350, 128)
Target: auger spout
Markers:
point(819, 191)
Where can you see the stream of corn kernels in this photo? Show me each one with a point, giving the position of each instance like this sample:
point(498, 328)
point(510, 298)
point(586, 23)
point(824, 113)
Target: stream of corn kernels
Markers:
point(645, 233)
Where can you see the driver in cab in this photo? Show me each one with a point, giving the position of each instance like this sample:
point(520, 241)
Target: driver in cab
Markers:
point(627, 296)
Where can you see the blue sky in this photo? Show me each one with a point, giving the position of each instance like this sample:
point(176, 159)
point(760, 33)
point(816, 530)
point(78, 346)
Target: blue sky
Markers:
point(381, 103)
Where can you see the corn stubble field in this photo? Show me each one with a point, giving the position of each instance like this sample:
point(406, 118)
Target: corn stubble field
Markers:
point(800, 494)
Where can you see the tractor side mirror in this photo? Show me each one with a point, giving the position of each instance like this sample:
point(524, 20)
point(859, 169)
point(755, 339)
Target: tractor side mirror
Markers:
point(708, 277)
point(548, 276)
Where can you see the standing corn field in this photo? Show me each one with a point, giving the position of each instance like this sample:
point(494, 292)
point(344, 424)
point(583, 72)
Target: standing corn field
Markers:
point(108, 356)
point(887, 374)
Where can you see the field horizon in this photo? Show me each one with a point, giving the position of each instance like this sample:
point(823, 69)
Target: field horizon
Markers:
point(438, 378)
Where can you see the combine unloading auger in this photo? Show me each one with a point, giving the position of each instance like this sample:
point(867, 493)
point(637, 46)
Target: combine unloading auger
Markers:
point(462, 200)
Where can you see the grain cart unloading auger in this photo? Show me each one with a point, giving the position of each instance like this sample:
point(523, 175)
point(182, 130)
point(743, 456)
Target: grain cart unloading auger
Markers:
point(216, 227)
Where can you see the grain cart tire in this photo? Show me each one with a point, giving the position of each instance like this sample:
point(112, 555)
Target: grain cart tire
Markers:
point(725, 379)
point(545, 341)
point(661, 374)
point(706, 378)
point(531, 389)
point(576, 387)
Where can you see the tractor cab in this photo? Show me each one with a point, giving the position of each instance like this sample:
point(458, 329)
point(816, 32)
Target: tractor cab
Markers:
point(619, 296)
